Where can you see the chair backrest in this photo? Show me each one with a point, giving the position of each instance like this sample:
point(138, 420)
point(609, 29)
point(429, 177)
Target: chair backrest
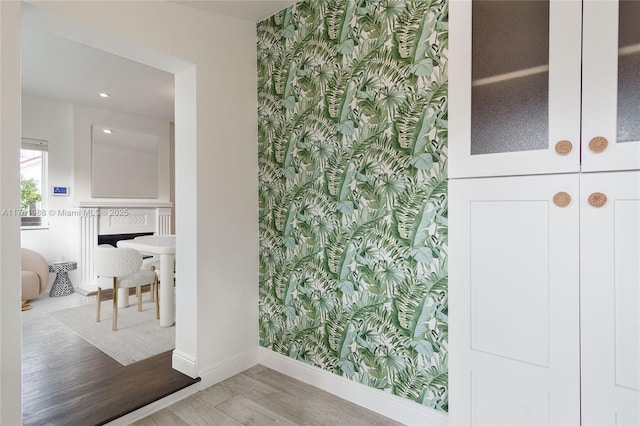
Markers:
point(116, 262)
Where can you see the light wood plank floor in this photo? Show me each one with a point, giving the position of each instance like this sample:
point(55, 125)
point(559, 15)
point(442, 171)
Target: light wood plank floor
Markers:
point(261, 396)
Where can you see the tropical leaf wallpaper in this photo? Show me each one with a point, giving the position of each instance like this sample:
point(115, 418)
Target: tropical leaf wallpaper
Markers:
point(353, 191)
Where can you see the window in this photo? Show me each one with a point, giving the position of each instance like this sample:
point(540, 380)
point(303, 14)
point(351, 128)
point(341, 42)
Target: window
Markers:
point(33, 181)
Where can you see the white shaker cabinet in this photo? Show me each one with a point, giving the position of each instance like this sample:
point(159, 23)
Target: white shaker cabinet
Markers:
point(544, 299)
point(610, 297)
point(524, 76)
point(514, 301)
point(544, 212)
point(514, 90)
point(611, 86)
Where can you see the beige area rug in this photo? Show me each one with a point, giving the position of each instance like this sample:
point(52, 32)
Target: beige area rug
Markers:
point(139, 334)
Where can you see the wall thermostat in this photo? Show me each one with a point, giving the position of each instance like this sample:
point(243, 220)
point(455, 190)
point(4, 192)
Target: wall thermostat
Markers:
point(60, 190)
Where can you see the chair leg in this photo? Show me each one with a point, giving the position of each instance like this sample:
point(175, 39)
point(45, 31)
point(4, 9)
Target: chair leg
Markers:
point(139, 297)
point(99, 298)
point(156, 284)
point(115, 304)
point(153, 296)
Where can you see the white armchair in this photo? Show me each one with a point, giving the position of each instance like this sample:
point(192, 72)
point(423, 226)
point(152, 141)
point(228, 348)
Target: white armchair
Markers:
point(122, 268)
point(35, 276)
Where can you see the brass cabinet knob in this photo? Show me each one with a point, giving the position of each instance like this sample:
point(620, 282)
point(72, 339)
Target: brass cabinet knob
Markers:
point(562, 199)
point(598, 144)
point(597, 199)
point(564, 147)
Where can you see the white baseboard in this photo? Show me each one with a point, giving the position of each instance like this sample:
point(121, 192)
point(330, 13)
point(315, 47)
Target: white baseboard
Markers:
point(184, 363)
point(228, 368)
point(384, 403)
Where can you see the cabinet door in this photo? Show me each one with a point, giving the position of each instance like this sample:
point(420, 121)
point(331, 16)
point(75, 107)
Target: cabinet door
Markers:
point(514, 87)
point(514, 301)
point(611, 86)
point(610, 298)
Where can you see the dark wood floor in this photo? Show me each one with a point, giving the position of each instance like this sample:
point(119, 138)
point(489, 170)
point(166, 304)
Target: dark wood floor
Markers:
point(67, 381)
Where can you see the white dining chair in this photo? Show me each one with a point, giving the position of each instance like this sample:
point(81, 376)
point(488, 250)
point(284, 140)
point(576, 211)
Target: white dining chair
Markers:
point(153, 263)
point(121, 269)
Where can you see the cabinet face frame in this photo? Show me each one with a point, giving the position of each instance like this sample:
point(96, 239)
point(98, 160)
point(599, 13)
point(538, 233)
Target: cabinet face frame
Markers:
point(564, 98)
point(602, 398)
point(600, 91)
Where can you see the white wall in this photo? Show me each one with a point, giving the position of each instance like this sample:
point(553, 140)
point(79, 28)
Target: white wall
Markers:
point(83, 119)
point(53, 121)
point(67, 127)
point(9, 225)
point(216, 165)
point(172, 169)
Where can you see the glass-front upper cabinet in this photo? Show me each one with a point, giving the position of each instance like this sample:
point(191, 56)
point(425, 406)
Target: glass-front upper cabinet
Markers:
point(611, 86)
point(514, 87)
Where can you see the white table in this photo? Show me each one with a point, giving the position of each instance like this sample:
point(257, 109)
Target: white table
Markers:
point(163, 246)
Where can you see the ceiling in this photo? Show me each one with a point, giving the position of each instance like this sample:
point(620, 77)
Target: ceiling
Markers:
point(247, 10)
point(57, 68)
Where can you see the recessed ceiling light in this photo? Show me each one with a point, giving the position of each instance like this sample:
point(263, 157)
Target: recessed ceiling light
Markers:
point(107, 131)
point(104, 95)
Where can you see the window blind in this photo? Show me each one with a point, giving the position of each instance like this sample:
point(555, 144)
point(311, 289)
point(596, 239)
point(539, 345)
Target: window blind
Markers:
point(34, 144)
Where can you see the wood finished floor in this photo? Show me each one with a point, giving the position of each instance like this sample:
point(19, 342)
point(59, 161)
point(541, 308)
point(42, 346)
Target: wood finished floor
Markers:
point(67, 381)
point(261, 396)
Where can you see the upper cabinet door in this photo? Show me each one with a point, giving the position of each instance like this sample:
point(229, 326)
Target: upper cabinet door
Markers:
point(611, 86)
point(514, 93)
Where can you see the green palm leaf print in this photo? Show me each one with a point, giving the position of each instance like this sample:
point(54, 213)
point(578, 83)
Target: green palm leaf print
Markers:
point(352, 144)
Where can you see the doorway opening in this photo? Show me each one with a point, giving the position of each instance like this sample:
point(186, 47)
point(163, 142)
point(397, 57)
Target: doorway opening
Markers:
point(37, 341)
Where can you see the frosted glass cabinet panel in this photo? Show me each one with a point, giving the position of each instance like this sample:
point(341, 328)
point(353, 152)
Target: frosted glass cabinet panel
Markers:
point(510, 76)
point(514, 90)
point(628, 72)
point(611, 86)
